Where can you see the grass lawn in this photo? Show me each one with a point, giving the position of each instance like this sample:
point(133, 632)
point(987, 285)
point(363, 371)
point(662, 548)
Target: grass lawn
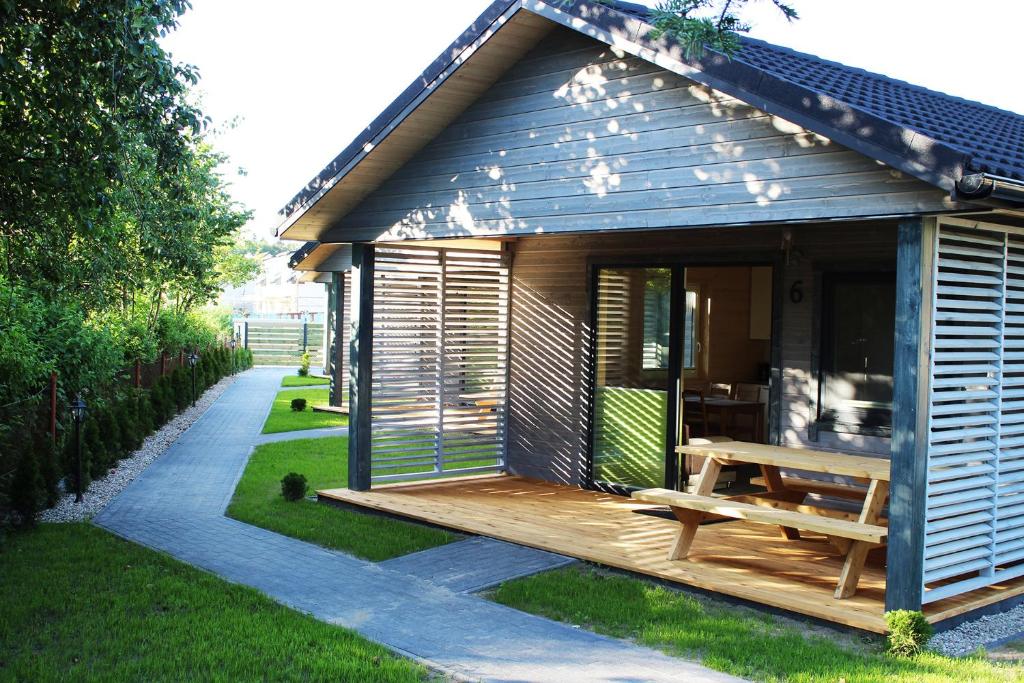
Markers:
point(257, 500)
point(283, 419)
point(308, 381)
point(733, 640)
point(77, 603)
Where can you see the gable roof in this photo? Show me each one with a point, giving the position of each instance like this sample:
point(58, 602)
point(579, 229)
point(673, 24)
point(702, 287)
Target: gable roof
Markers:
point(931, 135)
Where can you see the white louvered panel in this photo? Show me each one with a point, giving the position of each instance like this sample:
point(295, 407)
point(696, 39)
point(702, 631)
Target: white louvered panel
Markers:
point(613, 321)
point(965, 408)
point(474, 385)
point(440, 355)
point(406, 361)
point(1009, 537)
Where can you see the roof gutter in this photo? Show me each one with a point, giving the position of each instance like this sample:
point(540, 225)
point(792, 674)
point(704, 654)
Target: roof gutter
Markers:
point(991, 190)
point(301, 253)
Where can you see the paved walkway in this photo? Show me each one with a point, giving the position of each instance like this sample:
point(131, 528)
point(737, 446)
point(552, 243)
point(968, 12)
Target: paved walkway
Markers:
point(475, 564)
point(177, 506)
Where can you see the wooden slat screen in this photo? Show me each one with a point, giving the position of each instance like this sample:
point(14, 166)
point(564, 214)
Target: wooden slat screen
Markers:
point(974, 534)
point(440, 361)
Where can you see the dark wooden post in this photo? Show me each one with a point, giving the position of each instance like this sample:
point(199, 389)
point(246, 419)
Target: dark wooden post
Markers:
point(163, 363)
point(914, 291)
point(338, 337)
point(360, 359)
point(53, 406)
point(138, 374)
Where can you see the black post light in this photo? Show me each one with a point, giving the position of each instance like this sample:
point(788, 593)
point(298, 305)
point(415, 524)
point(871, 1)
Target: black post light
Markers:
point(78, 410)
point(232, 344)
point(193, 358)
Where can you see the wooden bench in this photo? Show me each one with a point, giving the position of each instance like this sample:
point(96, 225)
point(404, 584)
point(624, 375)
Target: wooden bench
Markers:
point(725, 507)
point(854, 534)
point(822, 488)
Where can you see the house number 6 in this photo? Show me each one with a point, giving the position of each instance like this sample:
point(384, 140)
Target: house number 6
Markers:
point(796, 292)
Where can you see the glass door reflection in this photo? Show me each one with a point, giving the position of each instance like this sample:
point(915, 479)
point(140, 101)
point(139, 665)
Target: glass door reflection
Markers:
point(633, 338)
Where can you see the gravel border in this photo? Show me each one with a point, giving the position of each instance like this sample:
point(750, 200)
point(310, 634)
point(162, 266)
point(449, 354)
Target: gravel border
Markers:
point(988, 631)
point(102, 491)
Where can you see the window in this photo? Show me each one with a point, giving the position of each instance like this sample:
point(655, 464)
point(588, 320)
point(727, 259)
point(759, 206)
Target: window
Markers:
point(858, 326)
point(657, 314)
point(691, 331)
point(657, 298)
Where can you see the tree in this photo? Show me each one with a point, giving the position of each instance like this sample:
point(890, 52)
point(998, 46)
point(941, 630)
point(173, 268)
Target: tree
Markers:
point(701, 24)
point(78, 81)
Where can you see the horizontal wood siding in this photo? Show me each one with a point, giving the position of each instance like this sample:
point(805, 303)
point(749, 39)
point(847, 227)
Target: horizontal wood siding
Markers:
point(550, 327)
point(577, 138)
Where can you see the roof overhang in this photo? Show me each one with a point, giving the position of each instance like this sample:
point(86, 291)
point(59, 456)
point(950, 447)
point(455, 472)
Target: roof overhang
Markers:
point(322, 257)
point(508, 29)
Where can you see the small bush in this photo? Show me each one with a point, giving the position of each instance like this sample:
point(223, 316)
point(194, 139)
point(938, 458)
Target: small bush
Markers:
point(26, 489)
point(909, 632)
point(293, 487)
point(304, 365)
point(298, 405)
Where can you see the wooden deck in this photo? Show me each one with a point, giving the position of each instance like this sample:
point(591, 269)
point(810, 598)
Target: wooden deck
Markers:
point(736, 558)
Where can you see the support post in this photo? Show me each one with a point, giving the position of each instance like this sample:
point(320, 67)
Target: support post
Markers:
point(360, 366)
point(53, 406)
point(336, 370)
point(245, 334)
point(329, 333)
point(907, 500)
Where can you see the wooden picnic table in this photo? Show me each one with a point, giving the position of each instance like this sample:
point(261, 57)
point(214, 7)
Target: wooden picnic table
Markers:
point(853, 534)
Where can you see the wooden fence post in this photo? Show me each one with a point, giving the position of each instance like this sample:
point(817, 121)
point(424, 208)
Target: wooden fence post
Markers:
point(53, 406)
point(138, 373)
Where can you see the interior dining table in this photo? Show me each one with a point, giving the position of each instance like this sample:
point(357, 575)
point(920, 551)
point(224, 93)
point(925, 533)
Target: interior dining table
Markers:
point(728, 408)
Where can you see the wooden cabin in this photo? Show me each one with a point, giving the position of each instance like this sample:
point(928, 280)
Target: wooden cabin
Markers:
point(572, 253)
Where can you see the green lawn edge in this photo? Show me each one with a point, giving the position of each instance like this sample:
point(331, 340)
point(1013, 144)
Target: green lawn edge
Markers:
point(307, 381)
point(283, 419)
point(734, 640)
point(78, 603)
point(257, 500)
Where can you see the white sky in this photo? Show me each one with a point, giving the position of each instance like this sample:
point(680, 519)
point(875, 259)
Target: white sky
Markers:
point(304, 77)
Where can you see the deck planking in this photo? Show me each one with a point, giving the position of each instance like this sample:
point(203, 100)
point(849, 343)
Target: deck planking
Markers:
point(736, 558)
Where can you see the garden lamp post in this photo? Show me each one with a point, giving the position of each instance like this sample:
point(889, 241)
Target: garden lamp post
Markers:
point(193, 358)
point(78, 414)
point(232, 344)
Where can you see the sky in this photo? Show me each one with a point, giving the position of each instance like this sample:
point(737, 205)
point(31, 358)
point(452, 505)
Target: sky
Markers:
point(289, 84)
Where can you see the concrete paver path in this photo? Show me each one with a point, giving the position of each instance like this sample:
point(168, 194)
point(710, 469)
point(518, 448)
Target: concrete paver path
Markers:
point(177, 506)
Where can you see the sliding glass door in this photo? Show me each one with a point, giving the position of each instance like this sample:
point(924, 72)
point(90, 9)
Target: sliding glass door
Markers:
point(636, 375)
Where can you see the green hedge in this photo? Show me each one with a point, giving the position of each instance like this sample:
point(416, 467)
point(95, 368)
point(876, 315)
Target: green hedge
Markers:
point(113, 429)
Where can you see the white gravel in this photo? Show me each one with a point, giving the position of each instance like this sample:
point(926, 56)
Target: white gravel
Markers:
point(985, 631)
point(102, 491)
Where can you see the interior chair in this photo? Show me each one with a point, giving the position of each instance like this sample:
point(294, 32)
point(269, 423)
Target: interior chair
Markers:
point(720, 389)
point(696, 430)
point(744, 426)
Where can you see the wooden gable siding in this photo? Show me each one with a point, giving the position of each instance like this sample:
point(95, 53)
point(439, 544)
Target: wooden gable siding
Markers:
point(577, 138)
point(550, 335)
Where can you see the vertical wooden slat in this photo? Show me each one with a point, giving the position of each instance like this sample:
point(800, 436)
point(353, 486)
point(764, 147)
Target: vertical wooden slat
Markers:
point(360, 366)
point(914, 281)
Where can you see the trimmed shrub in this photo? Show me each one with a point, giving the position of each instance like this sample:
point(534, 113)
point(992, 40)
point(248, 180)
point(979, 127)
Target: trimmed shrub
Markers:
point(93, 448)
point(26, 489)
point(127, 412)
point(298, 405)
point(49, 469)
point(181, 381)
point(147, 416)
point(909, 632)
point(304, 365)
point(294, 487)
point(110, 431)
